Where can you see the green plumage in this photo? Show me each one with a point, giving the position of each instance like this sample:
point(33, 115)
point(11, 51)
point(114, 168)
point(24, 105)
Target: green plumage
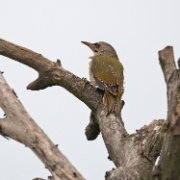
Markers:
point(106, 72)
point(107, 69)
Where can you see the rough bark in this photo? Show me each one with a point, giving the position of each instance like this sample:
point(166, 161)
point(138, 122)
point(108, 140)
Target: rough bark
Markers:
point(140, 153)
point(18, 125)
point(134, 155)
point(168, 167)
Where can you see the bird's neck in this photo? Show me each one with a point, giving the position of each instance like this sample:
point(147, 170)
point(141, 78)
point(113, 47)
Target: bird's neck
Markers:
point(104, 55)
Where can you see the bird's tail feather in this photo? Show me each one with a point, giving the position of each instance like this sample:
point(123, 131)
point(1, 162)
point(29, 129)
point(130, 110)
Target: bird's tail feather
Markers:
point(113, 103)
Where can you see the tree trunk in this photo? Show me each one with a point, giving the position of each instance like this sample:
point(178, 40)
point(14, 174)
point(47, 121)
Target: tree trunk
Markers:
point(169, 164)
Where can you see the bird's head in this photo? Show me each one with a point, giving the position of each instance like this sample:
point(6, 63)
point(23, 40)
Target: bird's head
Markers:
point(101, 48)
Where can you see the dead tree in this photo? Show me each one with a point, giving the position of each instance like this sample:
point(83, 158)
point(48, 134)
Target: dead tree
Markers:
point(134, 155)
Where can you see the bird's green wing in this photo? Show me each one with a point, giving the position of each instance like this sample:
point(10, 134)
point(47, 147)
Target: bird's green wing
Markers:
point(108, 69)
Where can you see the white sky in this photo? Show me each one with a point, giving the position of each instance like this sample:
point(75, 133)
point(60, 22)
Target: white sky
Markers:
point(137, 29)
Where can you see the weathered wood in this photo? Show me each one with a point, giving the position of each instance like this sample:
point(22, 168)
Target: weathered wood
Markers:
point(170, 156)
point(134, 155)
point(19, 126)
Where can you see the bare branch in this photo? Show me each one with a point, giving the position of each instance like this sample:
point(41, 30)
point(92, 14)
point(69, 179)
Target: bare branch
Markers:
point(166, 59)
point(19, 126)
point(51, 73)
point(25, 56)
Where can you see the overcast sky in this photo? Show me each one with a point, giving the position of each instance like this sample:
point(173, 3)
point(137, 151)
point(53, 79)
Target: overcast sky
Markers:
point(137, 29)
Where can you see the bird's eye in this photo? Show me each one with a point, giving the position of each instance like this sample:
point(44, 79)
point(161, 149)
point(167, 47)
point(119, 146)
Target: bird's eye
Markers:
point(97, 45)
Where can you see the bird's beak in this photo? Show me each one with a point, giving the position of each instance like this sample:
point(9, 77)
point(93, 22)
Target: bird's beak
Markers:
point(90, 45)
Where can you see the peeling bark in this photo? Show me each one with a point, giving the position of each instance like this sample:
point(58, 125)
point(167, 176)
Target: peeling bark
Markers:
point(140, 153)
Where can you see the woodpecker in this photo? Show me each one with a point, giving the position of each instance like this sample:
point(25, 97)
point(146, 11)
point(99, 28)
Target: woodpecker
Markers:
point(106, 73)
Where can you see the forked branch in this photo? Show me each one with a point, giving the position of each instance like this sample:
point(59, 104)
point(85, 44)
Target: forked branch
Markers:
point(133, 155)
point(170, 155)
